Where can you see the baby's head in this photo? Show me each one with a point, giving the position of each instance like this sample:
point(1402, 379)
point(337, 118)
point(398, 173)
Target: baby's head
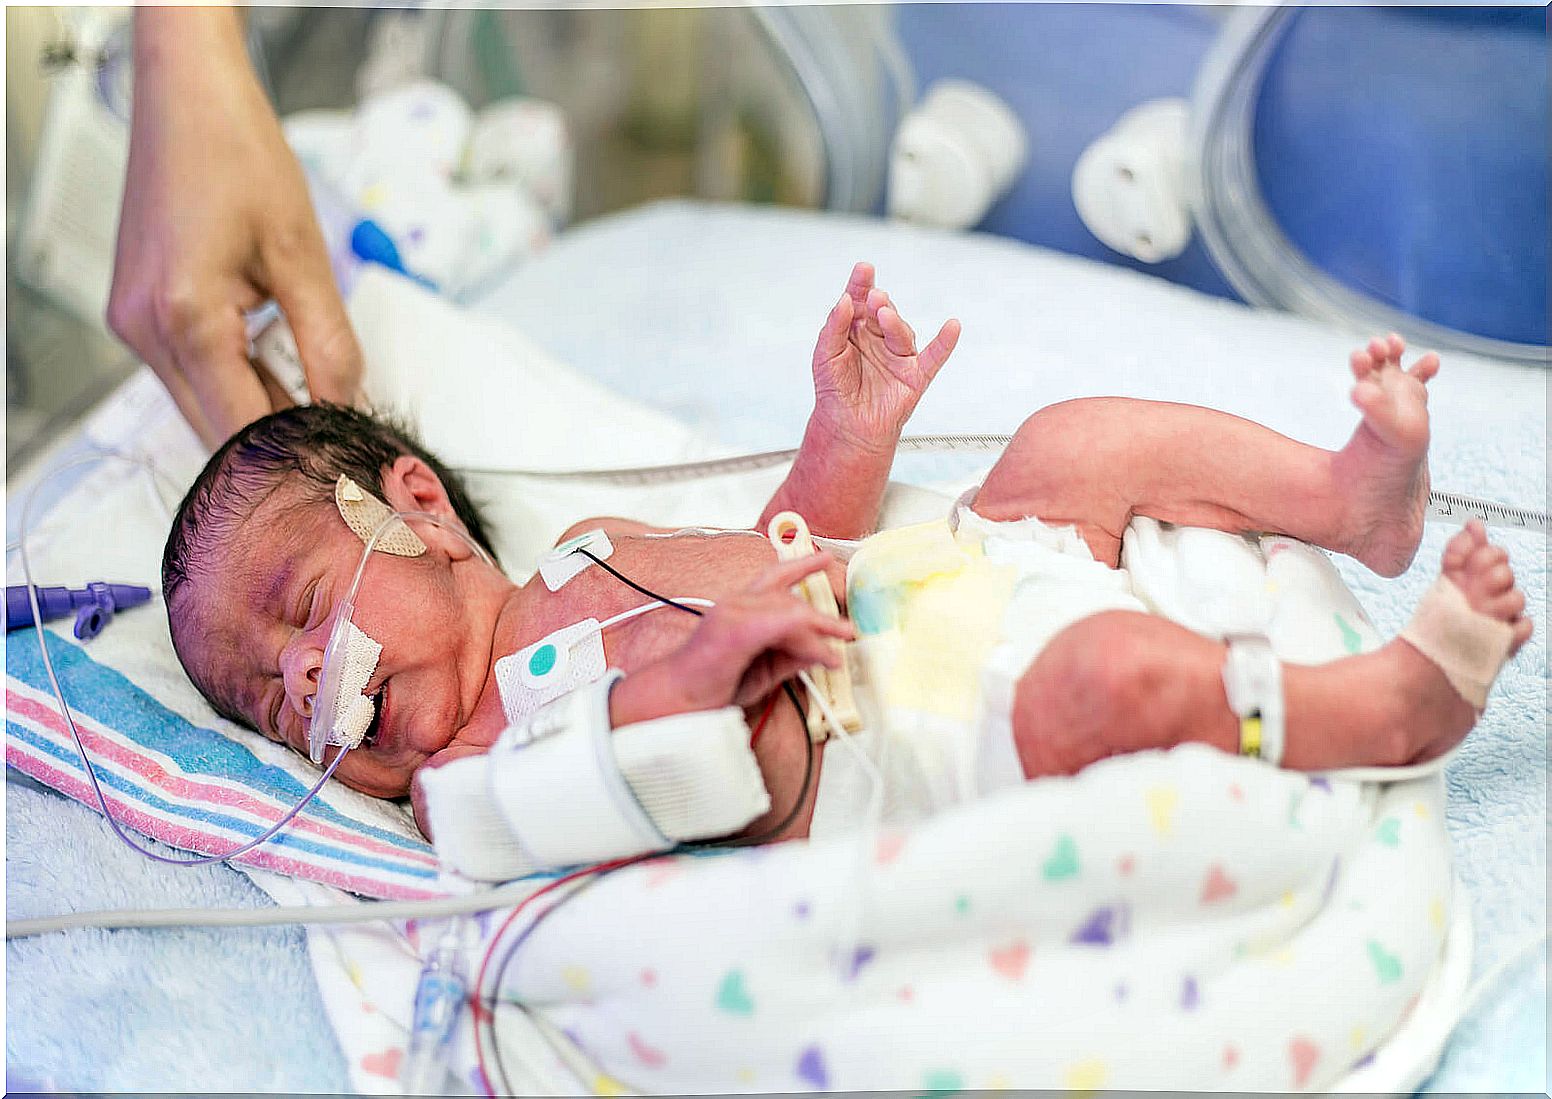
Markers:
point(259, 558)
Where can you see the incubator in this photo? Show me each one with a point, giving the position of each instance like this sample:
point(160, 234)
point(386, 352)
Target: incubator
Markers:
point(841, 160)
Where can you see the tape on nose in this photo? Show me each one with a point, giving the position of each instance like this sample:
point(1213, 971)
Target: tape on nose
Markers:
point(353, 711)
point(364, 513)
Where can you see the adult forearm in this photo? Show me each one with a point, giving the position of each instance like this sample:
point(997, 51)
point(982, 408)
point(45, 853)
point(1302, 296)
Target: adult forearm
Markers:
point(206, 40)
point(836, 483)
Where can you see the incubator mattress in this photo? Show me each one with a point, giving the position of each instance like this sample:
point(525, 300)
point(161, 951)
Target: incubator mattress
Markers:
point(748, 288)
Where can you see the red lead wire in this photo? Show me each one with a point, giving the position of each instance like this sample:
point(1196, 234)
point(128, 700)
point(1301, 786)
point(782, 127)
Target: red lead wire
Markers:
point(759, 725)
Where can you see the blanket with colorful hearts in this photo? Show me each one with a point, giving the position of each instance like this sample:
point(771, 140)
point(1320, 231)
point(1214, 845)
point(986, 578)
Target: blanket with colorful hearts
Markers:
point(1181, 920)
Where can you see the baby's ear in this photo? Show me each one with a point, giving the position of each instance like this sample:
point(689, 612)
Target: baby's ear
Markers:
point(412, 485)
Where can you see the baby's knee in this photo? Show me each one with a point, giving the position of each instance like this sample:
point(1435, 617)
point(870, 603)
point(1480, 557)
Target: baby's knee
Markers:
point(1114, 682)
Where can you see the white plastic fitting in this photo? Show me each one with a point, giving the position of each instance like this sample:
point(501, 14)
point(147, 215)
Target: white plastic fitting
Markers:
point(1130, 185)
point(953, 156)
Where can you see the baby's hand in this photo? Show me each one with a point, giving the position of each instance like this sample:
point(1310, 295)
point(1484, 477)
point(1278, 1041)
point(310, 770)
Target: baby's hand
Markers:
point(868, 375)
point(744, 647)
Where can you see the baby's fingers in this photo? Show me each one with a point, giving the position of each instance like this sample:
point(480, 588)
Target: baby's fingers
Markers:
point(936, 353)
point(834, 335)
point(898, 337)
point(784, 574)
point(860, 283)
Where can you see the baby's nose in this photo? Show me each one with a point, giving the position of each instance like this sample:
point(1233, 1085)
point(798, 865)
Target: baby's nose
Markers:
point(300, 672)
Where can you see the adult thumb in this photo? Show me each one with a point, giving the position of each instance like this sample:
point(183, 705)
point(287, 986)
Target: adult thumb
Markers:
point(331, 357)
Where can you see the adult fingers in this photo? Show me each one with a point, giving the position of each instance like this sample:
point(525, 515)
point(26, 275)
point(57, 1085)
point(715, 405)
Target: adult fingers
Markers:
point(298, 275)
point(210, 349)
point(183, 395)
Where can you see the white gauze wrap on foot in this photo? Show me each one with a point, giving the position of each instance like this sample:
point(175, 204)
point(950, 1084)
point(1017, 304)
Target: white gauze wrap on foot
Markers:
point(364, 513)
point(352, 709)
point(1468, 647)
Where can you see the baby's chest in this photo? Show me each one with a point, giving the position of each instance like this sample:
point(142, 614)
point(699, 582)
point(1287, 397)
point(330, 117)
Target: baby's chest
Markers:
point(700, 568)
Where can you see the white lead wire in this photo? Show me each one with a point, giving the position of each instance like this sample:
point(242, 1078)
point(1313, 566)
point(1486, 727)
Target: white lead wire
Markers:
point(1451, 507)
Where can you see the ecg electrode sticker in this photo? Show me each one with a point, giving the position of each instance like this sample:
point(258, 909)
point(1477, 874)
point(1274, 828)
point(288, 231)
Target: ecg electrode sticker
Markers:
point(560, 663)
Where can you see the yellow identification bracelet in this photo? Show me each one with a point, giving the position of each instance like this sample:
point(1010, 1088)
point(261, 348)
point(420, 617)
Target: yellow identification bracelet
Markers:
point(1253, 685)
point(1250, 736)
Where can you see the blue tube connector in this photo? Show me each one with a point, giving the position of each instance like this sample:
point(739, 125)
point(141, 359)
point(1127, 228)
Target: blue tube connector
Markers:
point(93, 606)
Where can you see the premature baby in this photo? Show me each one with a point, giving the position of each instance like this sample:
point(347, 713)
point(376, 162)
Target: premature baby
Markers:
point(259, 557)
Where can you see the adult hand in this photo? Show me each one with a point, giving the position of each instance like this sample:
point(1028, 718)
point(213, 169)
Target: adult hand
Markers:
point(868, 375)
point(216, 219)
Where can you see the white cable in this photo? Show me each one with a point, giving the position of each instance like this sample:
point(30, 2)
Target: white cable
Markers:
point(266, 917)
point(64, 707)
point(1479, 987)
point(867, 840)
point(1451, 506)
point(623, 616)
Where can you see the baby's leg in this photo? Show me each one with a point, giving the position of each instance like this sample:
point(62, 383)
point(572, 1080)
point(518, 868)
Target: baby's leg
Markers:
point(1096, 463)
point(1124, 682)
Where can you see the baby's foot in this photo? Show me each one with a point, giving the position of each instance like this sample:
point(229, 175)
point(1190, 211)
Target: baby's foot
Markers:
point(1481, 571)
point(1433, 715)
point(1384, 467)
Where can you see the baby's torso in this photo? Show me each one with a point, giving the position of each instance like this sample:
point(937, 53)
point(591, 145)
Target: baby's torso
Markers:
point(703, 566)
point(698, 566)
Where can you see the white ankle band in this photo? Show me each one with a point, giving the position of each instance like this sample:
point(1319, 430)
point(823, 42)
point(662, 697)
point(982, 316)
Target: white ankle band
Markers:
point(1468, 647)
point(1253, 682)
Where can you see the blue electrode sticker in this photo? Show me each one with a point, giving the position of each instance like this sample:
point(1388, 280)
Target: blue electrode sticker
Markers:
point(555, 665)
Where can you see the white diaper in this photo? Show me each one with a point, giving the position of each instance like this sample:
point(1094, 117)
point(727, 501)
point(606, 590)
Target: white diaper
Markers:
point(950, 615)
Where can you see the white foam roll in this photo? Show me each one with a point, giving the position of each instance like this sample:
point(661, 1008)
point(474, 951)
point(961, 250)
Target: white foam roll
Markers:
point(525, 141)
point(507, 225)
point(420, 126)
point(554, 798)
point(321, 140)
point(432, 225)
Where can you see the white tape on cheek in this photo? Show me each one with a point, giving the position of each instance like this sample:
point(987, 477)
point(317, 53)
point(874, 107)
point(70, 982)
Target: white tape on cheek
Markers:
point(364, 513)
point(353, 711)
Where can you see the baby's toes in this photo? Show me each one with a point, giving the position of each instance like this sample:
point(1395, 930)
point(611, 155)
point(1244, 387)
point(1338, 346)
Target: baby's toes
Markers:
point(1369, 396)
point(1395, 345)
point(1379, 351)
point(1459, 549)
point(1362, 363)
point(1522, 632)
point(1425, 368)
point(1506, 606)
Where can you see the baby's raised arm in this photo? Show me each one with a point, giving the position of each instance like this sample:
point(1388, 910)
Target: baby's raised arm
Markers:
point(868, 378)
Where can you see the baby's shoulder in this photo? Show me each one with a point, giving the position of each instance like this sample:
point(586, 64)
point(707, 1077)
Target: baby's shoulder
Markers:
point(613, 526)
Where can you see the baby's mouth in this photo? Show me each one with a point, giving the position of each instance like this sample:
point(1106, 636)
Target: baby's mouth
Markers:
point(380, 707)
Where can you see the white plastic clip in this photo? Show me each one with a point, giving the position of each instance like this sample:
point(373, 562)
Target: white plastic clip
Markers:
point(833, 683)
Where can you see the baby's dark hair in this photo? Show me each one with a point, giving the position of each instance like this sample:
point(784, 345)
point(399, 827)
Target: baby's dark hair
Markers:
point(315, 442)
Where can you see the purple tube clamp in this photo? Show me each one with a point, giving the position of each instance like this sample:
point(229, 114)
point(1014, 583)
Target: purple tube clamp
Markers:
point(93, 606)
